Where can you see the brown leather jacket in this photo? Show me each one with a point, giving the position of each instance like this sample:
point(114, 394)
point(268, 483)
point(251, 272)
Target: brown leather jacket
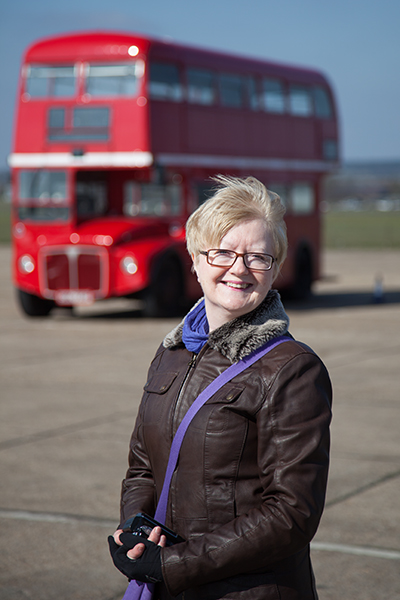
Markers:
point(249, 488)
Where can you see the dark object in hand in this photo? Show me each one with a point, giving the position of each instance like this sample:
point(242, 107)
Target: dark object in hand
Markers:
point(142, 525)
point(146, 568)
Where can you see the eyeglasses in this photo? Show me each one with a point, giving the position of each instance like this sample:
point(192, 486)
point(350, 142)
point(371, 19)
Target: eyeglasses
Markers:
point(254, 261)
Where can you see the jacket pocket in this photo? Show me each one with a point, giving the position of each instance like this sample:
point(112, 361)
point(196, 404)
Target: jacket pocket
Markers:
point(155, 399)
point(160, 383)
point(214, 414)
point(226, 395)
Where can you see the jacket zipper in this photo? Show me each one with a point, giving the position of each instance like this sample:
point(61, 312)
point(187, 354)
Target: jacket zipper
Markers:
point(190, 367)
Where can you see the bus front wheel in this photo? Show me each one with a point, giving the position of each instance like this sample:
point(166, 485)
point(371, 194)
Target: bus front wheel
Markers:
point(33, 306)
point(164, 297)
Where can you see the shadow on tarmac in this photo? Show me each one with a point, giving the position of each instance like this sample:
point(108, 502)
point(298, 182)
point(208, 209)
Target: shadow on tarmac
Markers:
point(314, 302)
point(342, 300)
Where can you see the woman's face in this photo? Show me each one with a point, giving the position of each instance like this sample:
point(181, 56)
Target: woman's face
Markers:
point(230, 292)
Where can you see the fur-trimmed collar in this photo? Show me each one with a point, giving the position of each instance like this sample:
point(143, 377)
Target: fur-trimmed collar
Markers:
point(243, 335)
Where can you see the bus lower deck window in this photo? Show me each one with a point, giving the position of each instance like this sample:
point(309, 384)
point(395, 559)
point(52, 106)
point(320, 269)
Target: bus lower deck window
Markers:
point(302, 198)
point(42, 184)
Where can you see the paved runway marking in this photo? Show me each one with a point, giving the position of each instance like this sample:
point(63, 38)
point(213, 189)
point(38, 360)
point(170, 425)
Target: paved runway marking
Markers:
point(26, 515)
point(358, 550)
point(46, 517)
point(363, 488)
point(64, 430)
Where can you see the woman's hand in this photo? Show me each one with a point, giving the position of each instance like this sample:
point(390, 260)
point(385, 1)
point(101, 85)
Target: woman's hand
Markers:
point(140, 560)
point(155, 537)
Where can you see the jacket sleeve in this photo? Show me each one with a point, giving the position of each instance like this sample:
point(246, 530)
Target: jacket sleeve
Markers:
point(293, 457)
point(138, 488)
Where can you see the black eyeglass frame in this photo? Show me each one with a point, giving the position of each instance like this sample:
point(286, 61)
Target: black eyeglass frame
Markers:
point(238, 255)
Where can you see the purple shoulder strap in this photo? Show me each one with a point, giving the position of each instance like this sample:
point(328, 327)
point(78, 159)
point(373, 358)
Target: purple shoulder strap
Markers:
point(135, 589)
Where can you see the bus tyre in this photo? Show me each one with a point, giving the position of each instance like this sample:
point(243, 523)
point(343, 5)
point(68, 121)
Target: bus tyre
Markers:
point(33, 306)
point(164, 297)
point(303, 275)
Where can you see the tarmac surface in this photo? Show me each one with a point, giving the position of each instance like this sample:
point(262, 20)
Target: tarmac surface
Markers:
point(70, 386)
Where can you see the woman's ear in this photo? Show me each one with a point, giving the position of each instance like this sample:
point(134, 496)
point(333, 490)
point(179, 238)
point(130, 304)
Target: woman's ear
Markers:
point(194, 270)
point(193, 263)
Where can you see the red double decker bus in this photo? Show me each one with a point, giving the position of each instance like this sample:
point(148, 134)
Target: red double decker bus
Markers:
point(116, 138)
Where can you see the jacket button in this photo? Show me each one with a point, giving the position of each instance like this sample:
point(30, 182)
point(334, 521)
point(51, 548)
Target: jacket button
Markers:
point(230, 396)
point(162, 388)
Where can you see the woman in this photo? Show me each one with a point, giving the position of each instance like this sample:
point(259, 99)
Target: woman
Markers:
point(249, 489)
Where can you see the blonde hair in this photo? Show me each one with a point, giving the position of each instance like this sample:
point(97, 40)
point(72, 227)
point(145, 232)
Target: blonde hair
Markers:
point(236, 200)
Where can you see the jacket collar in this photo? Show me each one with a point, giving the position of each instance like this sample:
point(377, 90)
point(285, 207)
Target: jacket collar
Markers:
point(243, 335)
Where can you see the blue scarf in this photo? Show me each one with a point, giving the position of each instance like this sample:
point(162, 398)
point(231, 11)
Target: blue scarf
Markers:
point(195, 328)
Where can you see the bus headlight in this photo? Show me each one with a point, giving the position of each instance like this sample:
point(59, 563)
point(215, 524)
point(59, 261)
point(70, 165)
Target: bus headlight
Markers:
point(26, 264)
point(19, 230)
point(128, 265)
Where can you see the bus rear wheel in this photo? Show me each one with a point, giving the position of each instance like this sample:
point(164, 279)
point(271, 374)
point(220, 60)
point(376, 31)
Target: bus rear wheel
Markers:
point(33, 306)
point(164, 297)
point(303, 275)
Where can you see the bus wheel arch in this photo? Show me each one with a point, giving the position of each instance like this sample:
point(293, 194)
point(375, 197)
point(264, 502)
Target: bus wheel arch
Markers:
point(165, 295)
point(34, 306)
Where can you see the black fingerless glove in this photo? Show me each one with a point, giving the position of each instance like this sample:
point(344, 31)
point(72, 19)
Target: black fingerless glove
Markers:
point(146, 568)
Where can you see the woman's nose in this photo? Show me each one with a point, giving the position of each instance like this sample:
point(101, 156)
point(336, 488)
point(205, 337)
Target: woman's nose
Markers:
point(239, 265)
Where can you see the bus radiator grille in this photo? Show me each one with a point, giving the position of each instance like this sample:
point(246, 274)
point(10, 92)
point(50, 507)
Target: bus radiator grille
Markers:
point(74, 268)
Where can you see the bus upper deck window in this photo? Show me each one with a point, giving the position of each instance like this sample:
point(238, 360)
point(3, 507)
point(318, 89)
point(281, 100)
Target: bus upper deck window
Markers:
point(253, 93)
point(50, 81)
point(231, 90)
point(273, 96)
point(112, 79)
point(90, 118)
point(300, 101)
point(323, 106)
point(81, 123)
point(164, 82)
point(200, 87)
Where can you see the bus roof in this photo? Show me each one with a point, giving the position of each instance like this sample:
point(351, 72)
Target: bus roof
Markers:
point(111, 46)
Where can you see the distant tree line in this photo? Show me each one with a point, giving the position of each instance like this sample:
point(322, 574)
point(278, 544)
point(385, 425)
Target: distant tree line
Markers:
point(365, 183)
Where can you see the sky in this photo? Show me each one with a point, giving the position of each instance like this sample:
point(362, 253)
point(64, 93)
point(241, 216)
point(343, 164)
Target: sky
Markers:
point(356, 43)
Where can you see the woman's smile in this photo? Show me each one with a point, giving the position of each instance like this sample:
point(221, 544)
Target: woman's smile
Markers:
point(237, 285)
